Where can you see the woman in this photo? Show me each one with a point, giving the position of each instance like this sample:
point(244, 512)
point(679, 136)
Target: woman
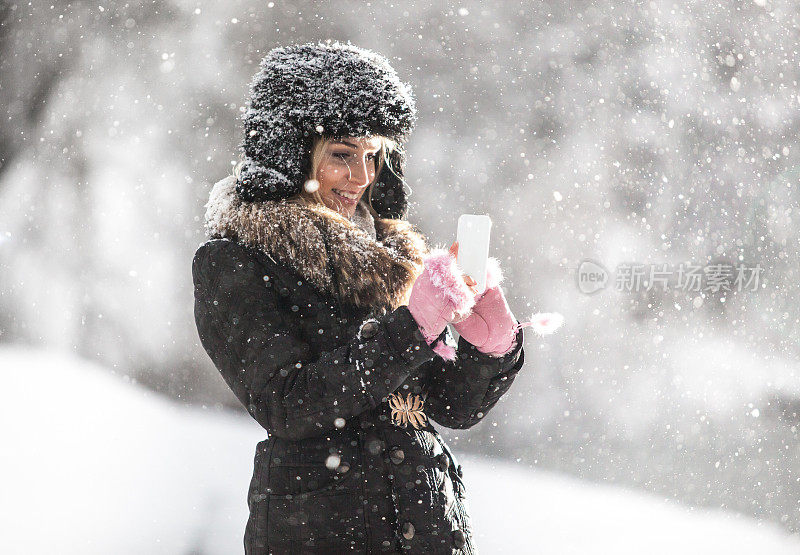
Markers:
point(326, 316)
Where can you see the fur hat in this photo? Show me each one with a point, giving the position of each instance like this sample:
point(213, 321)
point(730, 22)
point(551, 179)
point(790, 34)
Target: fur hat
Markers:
point(304, 91)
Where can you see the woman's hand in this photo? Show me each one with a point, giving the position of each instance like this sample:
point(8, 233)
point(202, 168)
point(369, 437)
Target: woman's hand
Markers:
point(471, 283)
point(441, 294)
point(491, 327)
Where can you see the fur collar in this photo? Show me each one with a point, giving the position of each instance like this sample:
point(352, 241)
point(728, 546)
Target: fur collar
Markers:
point(363, 219)
point(331, 252)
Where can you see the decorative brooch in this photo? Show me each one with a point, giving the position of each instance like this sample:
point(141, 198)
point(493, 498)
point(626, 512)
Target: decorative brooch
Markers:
point(407, 410)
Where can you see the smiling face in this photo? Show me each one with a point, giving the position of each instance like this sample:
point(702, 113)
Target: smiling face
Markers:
point(346, 170)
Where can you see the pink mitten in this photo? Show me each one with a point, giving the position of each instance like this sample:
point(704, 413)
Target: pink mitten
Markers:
point(439, 295)
point(491, 327)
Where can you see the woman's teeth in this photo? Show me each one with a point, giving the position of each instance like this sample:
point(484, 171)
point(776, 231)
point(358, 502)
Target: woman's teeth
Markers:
point(345, 194)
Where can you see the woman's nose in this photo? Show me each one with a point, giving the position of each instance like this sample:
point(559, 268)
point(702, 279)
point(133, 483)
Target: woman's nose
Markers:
point(360, 173)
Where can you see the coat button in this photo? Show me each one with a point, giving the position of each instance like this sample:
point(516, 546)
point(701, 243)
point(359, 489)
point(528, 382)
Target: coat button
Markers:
point(369, 329)
point(442, 462)
point(459, 540)
point(408, 530)
point(396, 455)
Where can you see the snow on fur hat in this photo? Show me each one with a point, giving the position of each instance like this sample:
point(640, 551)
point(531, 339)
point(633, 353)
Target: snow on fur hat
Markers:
point(303, 91)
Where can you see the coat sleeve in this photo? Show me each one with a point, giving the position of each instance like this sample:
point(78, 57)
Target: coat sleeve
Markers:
point(463, 391)
point(290, 392)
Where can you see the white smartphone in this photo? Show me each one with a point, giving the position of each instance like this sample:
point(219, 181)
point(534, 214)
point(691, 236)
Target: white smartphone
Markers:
point(473, 246)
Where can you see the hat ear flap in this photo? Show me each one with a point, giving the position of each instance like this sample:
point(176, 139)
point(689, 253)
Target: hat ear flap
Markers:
point(388, 196)
point(283, 177)
point(257, 183)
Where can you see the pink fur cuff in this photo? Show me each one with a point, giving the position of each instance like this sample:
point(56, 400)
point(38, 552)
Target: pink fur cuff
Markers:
point(449, 281)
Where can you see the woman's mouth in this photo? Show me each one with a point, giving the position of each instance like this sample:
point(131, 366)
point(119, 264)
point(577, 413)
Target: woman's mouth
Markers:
point(346, 197)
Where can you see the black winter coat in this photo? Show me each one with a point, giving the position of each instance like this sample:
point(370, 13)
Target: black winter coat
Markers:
point(313, 353)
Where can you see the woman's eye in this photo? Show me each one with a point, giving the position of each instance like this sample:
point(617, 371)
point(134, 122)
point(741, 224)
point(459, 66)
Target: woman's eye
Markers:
point(345, 155)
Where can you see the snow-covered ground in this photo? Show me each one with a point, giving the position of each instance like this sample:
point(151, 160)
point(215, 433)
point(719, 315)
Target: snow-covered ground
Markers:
point(91, 463)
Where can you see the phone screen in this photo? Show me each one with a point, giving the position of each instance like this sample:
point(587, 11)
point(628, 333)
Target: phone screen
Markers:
point(473, 246)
